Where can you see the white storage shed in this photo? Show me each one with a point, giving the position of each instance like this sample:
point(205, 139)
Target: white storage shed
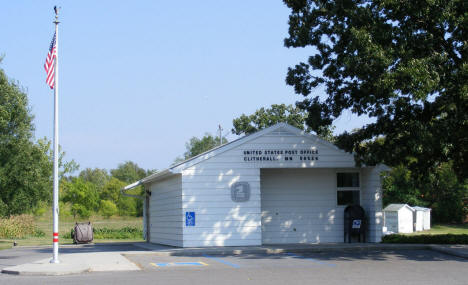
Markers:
point(398, 218)
point(422, 218)
point(279, 185)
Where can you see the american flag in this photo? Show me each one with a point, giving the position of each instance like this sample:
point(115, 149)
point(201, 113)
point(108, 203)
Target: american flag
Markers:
point(50, 64)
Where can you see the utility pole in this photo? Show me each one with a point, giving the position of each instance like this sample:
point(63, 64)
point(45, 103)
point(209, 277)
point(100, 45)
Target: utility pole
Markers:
point(220, 134)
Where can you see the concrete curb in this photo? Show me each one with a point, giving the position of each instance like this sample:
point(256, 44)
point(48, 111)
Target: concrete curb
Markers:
point(450, 250)
point(42, 268)
point(44, 273)
point(278, 250)
point(303, 249)
point(70, 245)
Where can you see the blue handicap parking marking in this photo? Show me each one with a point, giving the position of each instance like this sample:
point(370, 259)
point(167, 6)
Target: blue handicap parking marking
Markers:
point(191, 263)
point(222, 261)
point(179, 264)
point(319, 262)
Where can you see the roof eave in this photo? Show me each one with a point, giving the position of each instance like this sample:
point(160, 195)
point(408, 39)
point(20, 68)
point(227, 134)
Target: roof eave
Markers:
point(157, 176)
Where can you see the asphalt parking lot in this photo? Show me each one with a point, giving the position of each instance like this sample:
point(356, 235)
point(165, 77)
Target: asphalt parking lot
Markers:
point(211, 262)
point(346, 267)
point(366, 267)
point(329, 260)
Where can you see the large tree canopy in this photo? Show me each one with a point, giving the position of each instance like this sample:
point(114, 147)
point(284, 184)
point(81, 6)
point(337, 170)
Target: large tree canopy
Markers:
point(97, 176)
point(129, 172)
point(266, 117)
point(24, 166)
point(197, 146)
point(403, 63)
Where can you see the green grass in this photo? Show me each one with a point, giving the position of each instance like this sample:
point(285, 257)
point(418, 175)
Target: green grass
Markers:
point(438, 234)
point(445, 229)
point(427, 239)
point(5, 245)
point(45, 224)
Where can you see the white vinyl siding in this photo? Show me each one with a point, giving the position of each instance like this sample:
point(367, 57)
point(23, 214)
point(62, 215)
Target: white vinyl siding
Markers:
point(371, 201)
point(405, 220)
point(165, 215)
point(427, 220)
point(218, 220)
point(418, 220)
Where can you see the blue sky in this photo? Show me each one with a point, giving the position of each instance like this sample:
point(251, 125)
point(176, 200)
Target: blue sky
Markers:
point(138, 79)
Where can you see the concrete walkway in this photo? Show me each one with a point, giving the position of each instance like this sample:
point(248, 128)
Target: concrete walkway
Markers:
point(93, 258)
point(75, 263)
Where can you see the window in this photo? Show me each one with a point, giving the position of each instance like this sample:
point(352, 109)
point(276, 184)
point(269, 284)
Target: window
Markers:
point(350, 179)
point(348, 192)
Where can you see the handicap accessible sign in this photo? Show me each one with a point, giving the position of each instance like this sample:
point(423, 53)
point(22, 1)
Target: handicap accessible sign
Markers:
point(189, 219)
point(356, 224)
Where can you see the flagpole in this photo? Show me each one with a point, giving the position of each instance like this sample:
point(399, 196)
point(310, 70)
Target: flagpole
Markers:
point(55, 258)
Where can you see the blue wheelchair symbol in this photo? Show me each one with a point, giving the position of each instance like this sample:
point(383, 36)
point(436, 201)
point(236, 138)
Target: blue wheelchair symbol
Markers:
point(189, 219)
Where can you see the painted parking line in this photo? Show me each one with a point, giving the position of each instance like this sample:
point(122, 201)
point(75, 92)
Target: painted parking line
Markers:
point(179, 264)
point(312, 259)
point(222, 261)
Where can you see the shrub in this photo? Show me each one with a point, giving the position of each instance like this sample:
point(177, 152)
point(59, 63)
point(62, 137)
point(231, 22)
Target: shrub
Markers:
point(122, 233)
point(67, 235)
point(17, 227)
point(38, 233)
point(107, 233)
point(427, 239)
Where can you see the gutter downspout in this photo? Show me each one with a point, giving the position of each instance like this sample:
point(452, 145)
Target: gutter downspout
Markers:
point(131, 186)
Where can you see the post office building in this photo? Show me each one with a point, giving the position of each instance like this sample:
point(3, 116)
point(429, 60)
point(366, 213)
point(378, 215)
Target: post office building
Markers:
point(278, 185)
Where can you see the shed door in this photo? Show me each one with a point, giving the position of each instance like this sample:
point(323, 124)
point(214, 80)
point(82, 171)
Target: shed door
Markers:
point(391, 221)
point(299, 206)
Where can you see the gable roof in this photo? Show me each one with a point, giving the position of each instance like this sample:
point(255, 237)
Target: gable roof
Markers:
point(280, 127)
point(235, 143)
point(397, 207)
point(417, 208)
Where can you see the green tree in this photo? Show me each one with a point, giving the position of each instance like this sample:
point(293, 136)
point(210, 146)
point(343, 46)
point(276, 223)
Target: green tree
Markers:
point(446, 195)
point(97, 176)
point(108, 208)
point(24, 171)
point(197, 146)
point(441, 192)
point(129, 172)
point(399, 187)
point(266, 117)
point(111, 190)
point(402, 63)
point(82, 196)
point(65, 167)
point(126, 206)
